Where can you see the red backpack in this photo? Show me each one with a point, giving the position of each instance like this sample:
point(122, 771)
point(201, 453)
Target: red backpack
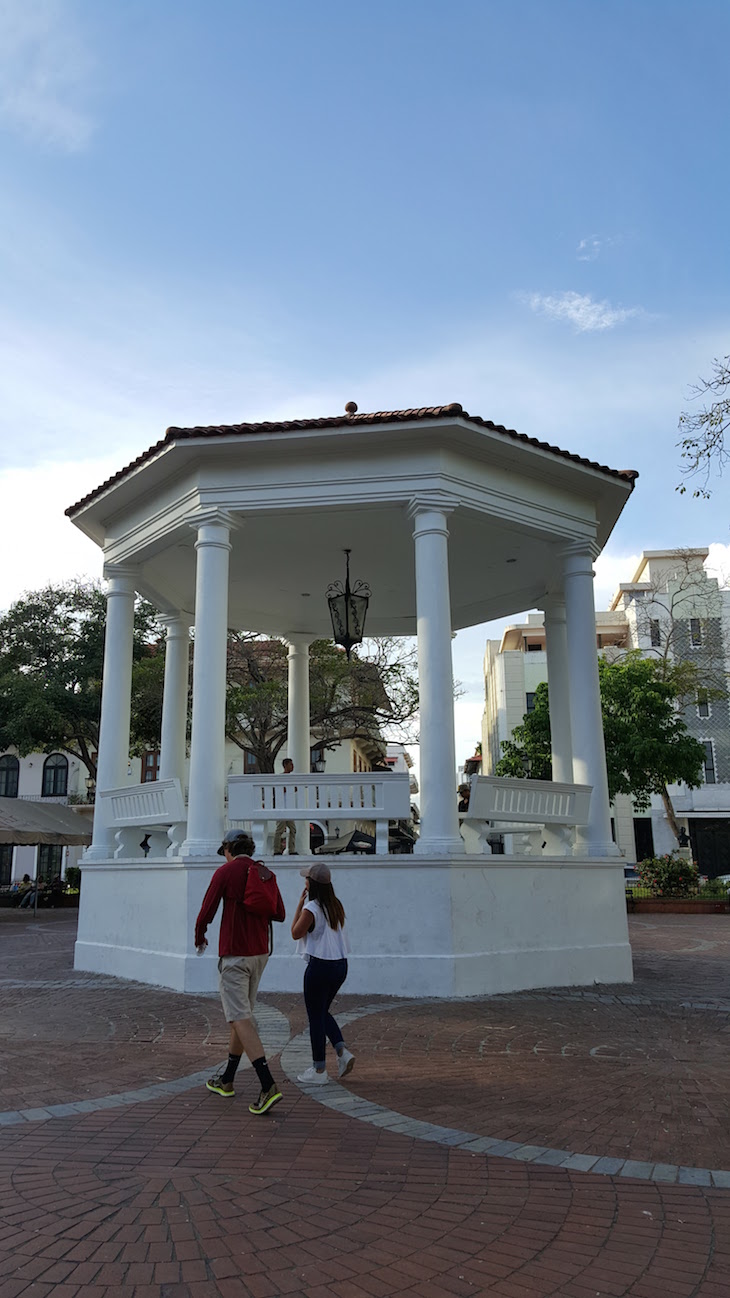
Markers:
point(261, 893)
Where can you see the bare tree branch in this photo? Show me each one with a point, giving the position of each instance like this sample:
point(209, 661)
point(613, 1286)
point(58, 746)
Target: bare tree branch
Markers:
point(703, 442)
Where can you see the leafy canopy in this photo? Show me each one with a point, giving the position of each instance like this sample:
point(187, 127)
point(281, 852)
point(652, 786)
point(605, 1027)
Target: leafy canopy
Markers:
point(647, 743)
point(51, 659)
point(528, 753)
point(374, 695)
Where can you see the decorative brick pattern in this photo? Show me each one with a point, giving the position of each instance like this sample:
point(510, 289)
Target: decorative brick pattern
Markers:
point(188, 1196)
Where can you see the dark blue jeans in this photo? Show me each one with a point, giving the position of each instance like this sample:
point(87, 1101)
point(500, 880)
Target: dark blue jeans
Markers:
point(322, 981)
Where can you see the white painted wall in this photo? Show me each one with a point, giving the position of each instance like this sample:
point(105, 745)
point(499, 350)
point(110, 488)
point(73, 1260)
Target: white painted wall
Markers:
point(418, 928)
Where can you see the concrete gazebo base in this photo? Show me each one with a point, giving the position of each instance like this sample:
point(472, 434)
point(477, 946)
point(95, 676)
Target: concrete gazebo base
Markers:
point(434, 927)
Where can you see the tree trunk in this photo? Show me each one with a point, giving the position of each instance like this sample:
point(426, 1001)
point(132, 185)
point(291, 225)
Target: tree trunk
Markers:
point(670, 812)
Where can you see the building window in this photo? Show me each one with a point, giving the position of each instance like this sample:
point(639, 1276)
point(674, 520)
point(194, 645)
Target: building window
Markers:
point(530, 701)
point(250, 765)
point(695, 632)
point(703, 703)
point(655, 633)
point(6, 864)
point(534, 648)
point(49, 862)
point(709, 761)
point(150, 766)
point(9, 772)
point(55, 776)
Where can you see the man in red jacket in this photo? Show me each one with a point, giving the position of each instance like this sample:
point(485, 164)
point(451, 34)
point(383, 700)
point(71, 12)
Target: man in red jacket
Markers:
point(243, 951)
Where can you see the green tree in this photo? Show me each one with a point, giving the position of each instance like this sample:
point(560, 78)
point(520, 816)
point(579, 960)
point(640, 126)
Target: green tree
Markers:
point(648, 746)
point(371, 697)
point(527, 755)
point(704, 430)
point(148, 675)
point(51, 658)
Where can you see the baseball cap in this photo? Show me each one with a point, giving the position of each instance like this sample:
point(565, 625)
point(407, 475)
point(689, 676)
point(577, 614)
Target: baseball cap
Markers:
point(232, 838)
point(318, 870)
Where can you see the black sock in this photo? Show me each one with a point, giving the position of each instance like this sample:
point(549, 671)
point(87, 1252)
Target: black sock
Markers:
point(263, 1073)
point(230, 1069)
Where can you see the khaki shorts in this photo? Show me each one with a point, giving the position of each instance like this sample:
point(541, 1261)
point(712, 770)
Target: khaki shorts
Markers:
point(238, 982)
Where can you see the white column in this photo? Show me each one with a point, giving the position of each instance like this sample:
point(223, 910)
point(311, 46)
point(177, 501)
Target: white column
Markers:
point(116, 696)
point(298, 701)
point(439, 816)
point(589, 754)
point(175, 697)
point(298, 719)
point(556, 645)
point(207, 744)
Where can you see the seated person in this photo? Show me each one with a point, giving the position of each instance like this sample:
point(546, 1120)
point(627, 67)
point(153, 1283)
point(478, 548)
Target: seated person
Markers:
point(463, 795)
point(23, 888)
point(28, 897)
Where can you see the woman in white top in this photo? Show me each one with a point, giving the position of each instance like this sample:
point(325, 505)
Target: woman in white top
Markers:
point(319, 927)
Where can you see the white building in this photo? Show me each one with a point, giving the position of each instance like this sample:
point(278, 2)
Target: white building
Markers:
point(672, 607)
point(55, 777)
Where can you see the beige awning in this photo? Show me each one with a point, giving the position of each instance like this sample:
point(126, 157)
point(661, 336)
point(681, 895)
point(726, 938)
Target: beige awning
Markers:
point(25, 823)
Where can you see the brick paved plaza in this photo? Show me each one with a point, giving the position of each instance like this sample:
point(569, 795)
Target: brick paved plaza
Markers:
point(552, 1143)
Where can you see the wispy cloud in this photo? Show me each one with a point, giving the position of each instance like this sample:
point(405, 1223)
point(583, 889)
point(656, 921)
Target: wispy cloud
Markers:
point(45, 74)
point(581, 311)
point(590, 249)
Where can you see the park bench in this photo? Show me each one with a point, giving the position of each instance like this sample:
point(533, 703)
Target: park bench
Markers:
point(155, 810)
point(541, 815)
point(263, 800)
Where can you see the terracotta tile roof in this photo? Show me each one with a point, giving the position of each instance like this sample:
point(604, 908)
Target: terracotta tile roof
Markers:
point(349, 419)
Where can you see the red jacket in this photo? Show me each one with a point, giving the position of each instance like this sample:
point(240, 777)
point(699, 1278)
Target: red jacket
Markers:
point(241, 932)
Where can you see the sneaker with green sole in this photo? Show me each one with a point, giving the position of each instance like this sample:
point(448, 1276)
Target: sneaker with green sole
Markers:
point(266, 1100)
point(220, 1087)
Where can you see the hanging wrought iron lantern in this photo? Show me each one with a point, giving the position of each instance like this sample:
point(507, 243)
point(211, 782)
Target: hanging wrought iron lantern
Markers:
point(348, 610)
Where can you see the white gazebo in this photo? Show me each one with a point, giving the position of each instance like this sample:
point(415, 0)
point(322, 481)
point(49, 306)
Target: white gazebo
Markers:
point(453, 521)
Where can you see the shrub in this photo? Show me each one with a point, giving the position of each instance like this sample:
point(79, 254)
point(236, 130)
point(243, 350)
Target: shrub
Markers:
point(669, 876)
point(713, 888)
point(73, 878)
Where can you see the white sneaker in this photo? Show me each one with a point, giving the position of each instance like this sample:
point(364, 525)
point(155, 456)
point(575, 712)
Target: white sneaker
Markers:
point(312, 1078)
point(345, 1063)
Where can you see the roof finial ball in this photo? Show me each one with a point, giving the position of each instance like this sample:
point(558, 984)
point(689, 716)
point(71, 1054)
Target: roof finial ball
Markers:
point(351, 408)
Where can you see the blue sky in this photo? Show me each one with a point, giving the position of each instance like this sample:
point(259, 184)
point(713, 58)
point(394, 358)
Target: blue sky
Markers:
point(232, 210)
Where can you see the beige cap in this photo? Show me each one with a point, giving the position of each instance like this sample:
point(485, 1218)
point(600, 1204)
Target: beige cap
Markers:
point(318, 870)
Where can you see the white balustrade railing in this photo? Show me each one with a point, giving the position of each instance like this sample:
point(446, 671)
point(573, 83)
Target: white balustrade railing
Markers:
point(156, 810)
point(263, 800)
point(544, 814)
point(541, 815)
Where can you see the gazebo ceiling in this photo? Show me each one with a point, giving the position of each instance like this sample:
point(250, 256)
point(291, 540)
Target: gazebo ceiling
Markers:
point(300, 493)
point(280, 569)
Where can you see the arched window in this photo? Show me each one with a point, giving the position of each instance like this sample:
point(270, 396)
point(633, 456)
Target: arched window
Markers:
point(55, 776)
point(9, 771)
